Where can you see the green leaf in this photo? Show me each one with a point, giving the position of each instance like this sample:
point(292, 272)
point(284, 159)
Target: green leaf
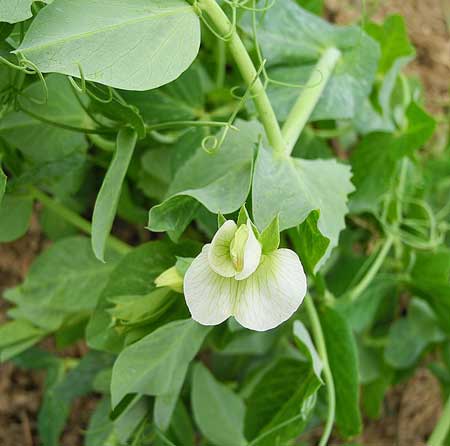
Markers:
point(133, 275)
point(292, 188)
point(306, 346)
point(408, 337)
point(42, 142)
point(219, 181)
point(105, 40)
point(293, 53)
point(311, 245)
point(13, 11)
point(15, 215)
point(270, 236)
point(218, 411)
point(285, 393)
point(16, 337)
point(374, 160)
point(171, 348)
point(109, 195)
point(66, 279)
point(392, 35)
point(343, 360)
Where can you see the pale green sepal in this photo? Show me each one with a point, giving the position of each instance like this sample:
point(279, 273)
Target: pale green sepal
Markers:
point(270, 237)
point(219, 256)
point(220, 219)
point(243, 216)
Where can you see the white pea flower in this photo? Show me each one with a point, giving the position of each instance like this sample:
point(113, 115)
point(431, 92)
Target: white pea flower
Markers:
point(233, 277)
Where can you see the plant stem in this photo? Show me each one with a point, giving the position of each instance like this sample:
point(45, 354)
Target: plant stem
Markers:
point(442, 428)
point(356, 291)
point(310, 95)
point(248, 72)
point(74, 219)
point(329, 382)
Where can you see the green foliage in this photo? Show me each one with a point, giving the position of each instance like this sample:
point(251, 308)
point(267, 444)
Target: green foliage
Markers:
point(292, 188)
point(292, 55)
point(210, 396)
point(157, 128)
point(74, 32)
point(343, 358)
point(109, 194)
point(171, 347)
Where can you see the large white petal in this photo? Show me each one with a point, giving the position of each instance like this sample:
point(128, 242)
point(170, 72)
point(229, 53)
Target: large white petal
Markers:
point(273, 293)
point(209, 296)
point(219, 254)
point(252, 255)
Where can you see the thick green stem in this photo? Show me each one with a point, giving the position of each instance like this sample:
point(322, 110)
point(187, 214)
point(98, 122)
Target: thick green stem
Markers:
point(442, 428)
point(329, 382)
point(372, 271)
point(310, 95)
point(248, 72)
point(75, 220)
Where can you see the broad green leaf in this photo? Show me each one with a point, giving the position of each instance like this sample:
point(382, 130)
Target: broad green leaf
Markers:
point(306, 346)
point(315, 6)
point(343, 360)
point(392, 36)
point(374, 160)
point(171, 347)
point(105, 39)
point(408, 337)
point(13, 11)
point(309, 242)
point(292, 188)
point(382, 111)
point(15, 215)
point(42, 142)
point(218, 411)
point(108, 197)
point(133, 275)
point(219, 181)
point(270, 236)
point(181, 426)
point(285, 392)
point(17, 336)
point(293, 52)
point(66, 279)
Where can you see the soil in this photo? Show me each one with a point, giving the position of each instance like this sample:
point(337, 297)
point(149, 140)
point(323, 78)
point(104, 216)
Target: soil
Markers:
point(410, 410)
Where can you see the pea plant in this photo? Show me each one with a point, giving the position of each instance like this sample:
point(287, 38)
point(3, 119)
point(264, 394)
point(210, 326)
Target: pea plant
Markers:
point(248, 209)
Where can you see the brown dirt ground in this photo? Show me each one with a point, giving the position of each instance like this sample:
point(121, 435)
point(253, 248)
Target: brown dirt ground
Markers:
point(410, 410)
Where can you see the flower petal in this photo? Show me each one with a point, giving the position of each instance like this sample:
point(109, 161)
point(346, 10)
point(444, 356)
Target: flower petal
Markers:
point(209, 296)
point(252, 255)
point(273, 293)
point(219, 253)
